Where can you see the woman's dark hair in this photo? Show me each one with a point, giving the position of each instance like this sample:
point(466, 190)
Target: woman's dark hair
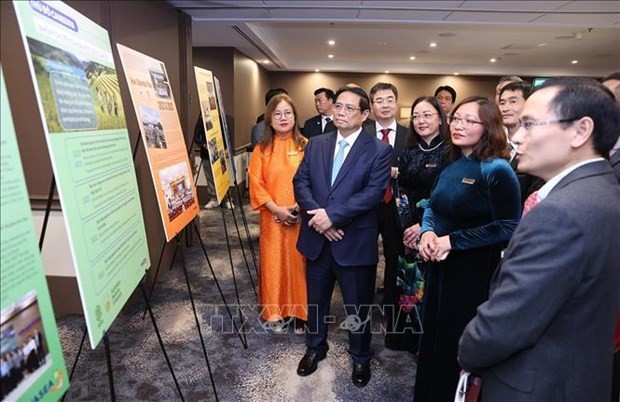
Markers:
point(267, 138)
point(493, 142)
point(413, 139)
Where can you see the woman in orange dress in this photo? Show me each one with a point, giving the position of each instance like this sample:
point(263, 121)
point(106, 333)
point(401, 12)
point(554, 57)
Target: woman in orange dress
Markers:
point(272, 166)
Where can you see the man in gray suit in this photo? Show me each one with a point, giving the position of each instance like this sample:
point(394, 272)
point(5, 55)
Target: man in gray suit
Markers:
point(546, 332)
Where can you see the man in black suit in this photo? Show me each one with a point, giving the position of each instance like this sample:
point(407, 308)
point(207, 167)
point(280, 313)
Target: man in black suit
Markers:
point(511, 102)
point(384, 104)
point(322, 122)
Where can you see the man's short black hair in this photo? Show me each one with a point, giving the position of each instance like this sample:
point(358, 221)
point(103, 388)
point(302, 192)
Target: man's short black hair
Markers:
point(446, 88)
point(329, 94)
point(524, 87)
point(364, 100)
point(382, 86)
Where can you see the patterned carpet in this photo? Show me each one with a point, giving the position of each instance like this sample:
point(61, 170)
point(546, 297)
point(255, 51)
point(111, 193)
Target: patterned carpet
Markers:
point(265, 371)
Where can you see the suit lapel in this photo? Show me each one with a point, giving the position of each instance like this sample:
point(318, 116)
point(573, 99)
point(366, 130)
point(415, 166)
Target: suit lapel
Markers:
point(587, 170)
point(359, 148)
point(328, 155)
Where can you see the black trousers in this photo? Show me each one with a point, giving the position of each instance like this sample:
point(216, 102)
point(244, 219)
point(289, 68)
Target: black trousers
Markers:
point(391, 234)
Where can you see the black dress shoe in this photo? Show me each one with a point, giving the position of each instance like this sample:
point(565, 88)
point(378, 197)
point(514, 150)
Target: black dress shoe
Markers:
point(309, 363)
point(361, 374)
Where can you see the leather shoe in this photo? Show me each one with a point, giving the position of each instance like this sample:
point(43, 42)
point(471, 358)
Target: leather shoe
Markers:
point(361, 374)
point(310, 362)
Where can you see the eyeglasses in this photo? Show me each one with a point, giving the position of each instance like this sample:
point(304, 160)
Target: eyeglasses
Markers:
point(466, 122)
point(529, 124)
point(425, 116)
point(386, 101)
point(288, 114)
point(348, 109)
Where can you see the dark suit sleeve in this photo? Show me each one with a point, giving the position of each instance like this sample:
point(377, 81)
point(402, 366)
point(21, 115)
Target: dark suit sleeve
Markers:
point(539, 274)
point(370, 196)
point(302, 184)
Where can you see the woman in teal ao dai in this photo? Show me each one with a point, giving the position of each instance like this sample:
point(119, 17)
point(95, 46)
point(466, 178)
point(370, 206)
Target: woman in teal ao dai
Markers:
point(473, 211)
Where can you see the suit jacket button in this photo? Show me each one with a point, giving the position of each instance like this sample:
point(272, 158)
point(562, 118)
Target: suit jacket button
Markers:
point(330, 198)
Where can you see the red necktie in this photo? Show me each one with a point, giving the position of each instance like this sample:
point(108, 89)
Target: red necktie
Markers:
point(530, 203)
point(387, 197)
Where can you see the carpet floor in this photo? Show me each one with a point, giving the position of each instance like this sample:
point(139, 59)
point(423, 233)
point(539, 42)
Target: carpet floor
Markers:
point(264, 371)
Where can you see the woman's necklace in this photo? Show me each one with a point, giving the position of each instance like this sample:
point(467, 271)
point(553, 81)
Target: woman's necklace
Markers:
point(431, 149)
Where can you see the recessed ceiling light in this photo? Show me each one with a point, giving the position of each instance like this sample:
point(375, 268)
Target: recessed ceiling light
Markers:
point(331, 42)
point(387, 71)
point(265, 61)
point(574, 62)
point(316, 70)
point(412, 58)
point(493, 60)
point(456, 73)
point(433, 44)
point(542, 44)
point(331, 56)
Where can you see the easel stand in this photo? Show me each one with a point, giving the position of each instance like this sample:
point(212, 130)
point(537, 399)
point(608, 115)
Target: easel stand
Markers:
point(107, 348)
point(241, 206)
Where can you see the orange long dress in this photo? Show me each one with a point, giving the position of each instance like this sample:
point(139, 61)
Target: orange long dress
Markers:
point(282, 283)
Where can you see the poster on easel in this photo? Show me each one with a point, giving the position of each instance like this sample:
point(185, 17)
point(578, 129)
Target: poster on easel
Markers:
point(33, 366)
point(225, 132)
point(79, 103)
point(215, 142)
point(162, 137)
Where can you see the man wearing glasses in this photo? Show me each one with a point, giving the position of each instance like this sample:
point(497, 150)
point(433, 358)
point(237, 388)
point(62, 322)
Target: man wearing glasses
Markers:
point(546, 332)
point(338, 186)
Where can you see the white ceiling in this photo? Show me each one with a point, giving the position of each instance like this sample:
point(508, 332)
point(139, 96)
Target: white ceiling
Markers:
point(530, 38)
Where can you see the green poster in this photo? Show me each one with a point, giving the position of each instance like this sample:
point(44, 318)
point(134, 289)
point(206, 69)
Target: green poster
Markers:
point(79, 100)
point(32, 364)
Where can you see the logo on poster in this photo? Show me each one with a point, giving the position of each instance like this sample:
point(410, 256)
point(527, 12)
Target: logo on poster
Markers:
point(53, 14)
point(49, 387)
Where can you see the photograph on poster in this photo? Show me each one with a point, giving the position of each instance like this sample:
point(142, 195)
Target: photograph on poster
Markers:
point(160, 83)
point(76, 94)
point(153, 130)
point(176, 184)
point(223, 160)
point(207, 116)
point(211, 96)
point(23, 346)
point(213, 154)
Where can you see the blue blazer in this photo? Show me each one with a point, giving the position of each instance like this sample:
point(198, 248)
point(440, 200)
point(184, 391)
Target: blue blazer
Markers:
point(351, 203)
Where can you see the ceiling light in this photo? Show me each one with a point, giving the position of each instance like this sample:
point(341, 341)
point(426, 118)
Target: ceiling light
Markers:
point(412, 58)
point(331, 42)
point(542, 44)
point(493, 60)
point(265, 61)
point(433, 44)
point(331, 56)
point(316, 70)
point(456, 73)
point(387, 71)
point(574, 62)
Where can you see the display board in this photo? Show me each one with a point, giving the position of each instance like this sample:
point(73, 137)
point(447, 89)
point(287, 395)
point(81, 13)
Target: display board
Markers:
point(215, 141)
point(72, 67)
point(225, 131)
point(162, 137)
point(28, 336)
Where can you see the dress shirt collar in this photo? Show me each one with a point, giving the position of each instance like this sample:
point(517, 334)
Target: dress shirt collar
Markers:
point(546, 189)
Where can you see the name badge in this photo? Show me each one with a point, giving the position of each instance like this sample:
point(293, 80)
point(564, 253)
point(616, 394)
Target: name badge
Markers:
point(292, 153)
point(467, 180)
point(431, 165)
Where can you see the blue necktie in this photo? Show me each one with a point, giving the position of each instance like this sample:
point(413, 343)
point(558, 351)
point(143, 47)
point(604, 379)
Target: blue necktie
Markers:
point(343, 144)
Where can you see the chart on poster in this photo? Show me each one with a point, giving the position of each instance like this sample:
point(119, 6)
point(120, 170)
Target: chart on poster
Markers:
point(72, 68)
point(29, 341)
point(162, 137)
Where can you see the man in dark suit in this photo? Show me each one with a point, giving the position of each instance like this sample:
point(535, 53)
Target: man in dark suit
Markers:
point(338, 186)
point(322, 122)
point(384, 104)
point(546, 332)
